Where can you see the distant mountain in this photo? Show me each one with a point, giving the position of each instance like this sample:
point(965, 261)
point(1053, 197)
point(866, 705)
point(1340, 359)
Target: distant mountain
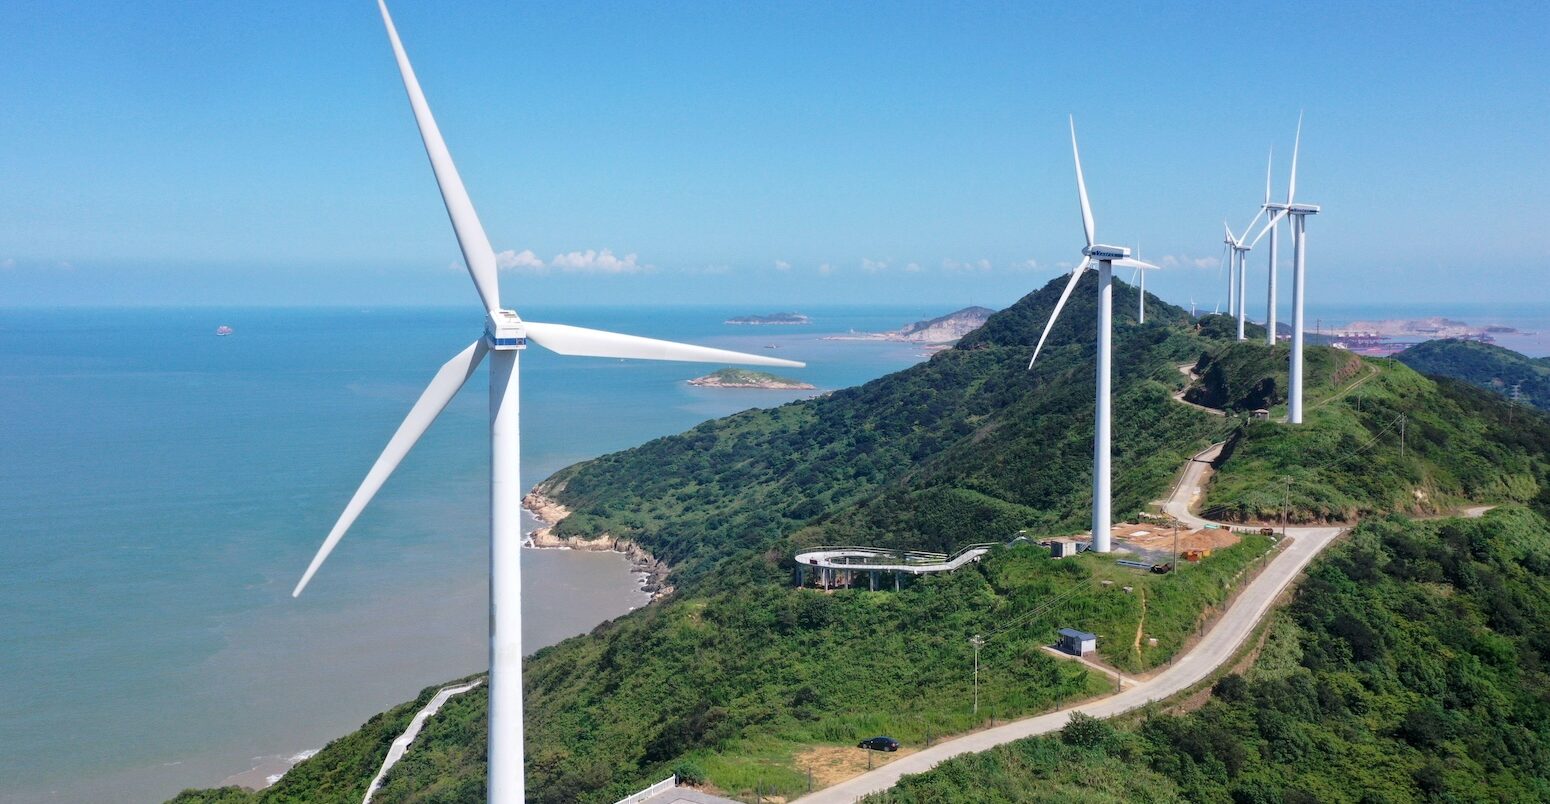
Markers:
point(945, 328)
point(772, 318)
point(940, 330)
point(1485, 365)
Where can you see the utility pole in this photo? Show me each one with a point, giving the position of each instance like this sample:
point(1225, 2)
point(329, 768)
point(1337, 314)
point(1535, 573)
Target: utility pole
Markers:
point(1401, 435)
point(1174, 567)
point(1286, 499)
point(978, 642)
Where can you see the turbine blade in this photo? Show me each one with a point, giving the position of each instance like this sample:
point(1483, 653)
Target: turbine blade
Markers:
point(1250, 227)
point(1268, 164)
point(1291, 186)
point(1081, 188)
point(1270, 224)
point(1139, 265)
point(432, 402)
point(583, 342)
point(1054, 314)
point(477, 253)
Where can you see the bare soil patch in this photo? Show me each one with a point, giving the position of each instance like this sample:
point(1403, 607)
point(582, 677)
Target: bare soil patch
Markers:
point(832, 764)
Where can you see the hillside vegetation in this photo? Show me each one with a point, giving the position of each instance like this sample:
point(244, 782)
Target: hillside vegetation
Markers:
point(1485, 365)
point(1377, 438)
point(1411, 666)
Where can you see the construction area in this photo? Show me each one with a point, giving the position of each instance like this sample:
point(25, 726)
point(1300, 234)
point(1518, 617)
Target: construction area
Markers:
point(1151, 544)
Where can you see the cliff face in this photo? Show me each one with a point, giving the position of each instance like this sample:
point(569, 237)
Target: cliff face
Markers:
point(943, 329)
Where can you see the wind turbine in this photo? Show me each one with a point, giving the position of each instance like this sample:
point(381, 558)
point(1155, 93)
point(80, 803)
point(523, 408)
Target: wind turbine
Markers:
point(1238, 254)
point(505, 336)
point(1299, 214)
point(1138, 278)
point(1107, 258)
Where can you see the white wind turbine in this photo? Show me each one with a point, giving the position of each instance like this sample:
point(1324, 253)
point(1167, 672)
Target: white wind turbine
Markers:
point(1299, 214)
point(505, 336)
point(1107, 258)
point(1138, 278)
point(1237, 258)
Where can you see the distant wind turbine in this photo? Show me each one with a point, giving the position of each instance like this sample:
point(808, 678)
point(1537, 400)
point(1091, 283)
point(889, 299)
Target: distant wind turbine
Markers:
point(1299, 214)
point(505, 336)
point(1107, 258)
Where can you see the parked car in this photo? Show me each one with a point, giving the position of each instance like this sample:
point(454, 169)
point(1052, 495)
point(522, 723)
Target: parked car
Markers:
point(879, 744)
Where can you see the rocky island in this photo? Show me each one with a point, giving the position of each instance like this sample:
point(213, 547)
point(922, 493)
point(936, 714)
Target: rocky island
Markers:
point(744, 378)
point(772, 318)
point(940, 330)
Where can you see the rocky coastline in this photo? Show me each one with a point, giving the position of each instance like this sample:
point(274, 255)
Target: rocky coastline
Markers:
point(550, 512)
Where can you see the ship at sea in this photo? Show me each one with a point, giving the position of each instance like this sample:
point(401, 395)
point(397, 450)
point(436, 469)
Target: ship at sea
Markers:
point(223, 330)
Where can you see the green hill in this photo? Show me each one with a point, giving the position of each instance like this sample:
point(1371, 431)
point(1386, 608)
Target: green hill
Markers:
point(1411, 666)
point(1377, 438)
point(737, 676)
point(1485, 365)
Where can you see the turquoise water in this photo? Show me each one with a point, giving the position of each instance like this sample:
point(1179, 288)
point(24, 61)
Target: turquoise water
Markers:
point(161, 490)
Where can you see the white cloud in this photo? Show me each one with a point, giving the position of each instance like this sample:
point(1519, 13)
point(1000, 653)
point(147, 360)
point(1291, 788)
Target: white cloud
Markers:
point(782, 265)
point(598, 262)
point(913, 268)
point(873, 266)
point(1029, 264)
point(954, 266)
point(825, 269)
point(524, 259)
point(1186, 261)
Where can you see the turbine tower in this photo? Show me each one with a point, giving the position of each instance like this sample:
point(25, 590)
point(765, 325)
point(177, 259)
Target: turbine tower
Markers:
point(1238, 259)
point(1107, 258)
point(1274, 229)
point(1299, 214)
point(1138, 278)
point(505, 336)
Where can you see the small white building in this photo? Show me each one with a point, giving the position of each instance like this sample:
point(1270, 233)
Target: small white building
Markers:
point(1077, 643)
point(1063, 548)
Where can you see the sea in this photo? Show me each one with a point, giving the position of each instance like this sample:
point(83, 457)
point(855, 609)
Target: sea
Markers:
point(162, 489)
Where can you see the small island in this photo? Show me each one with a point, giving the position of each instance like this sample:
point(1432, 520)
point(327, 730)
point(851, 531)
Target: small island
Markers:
point(772, 318)
point(744, 378)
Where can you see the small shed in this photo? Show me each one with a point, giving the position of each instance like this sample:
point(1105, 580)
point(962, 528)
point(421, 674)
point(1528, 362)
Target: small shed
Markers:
point(1063, 548)
point(1261, 414)
point(1077, 643)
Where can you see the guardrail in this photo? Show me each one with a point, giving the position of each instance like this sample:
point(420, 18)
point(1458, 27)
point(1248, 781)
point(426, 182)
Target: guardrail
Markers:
point(663, 786)
point(902, 555)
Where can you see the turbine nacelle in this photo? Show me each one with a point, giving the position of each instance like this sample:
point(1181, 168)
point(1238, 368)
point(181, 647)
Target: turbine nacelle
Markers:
point(1111, 253)
point(504, 331)
point(1303, 209)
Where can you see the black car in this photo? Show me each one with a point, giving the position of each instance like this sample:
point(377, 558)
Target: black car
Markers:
point(879, 744)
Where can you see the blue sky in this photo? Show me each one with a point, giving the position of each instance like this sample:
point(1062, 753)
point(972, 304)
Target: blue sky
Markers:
point(766, 155)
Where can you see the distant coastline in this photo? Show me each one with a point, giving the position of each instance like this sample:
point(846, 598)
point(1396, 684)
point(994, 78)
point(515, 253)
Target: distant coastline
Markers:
point(934, 333)
point(772, 318)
